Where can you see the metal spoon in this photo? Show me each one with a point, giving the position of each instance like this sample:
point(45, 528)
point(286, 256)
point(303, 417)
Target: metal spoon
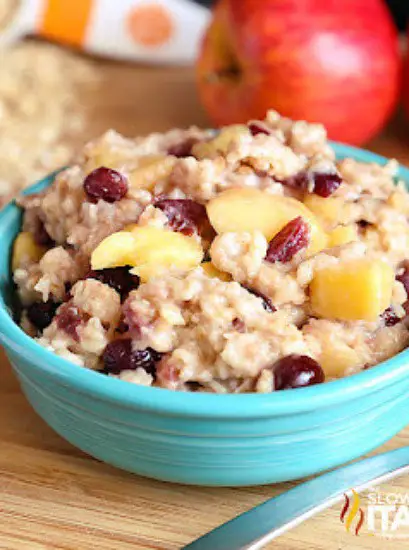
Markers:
point(252, 530)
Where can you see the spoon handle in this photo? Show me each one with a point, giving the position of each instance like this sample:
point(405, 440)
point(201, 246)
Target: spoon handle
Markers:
point(252, 530)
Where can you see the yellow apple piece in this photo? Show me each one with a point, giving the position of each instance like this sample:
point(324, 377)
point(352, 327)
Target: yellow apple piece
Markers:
point(221, 143)
point(114, 251)
point(149, 250)
point(343, 234)
point(159, 250)
point(211, 271)
point(327, 210)
point(353, 290)
point(241, 210)
point(339, 360)
point(107, 158)
point(25, 249)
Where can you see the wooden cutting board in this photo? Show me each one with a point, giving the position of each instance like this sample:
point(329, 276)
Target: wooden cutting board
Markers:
point(53, 496)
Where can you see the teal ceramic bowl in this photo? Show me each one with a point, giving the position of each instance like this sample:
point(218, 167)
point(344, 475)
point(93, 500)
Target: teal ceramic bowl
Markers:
point(205, 439)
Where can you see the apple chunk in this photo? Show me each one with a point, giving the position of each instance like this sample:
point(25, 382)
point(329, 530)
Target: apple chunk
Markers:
point(338, 360)
point(342, 234)
point(220, 144)
point(352, 291)
point(327, 210)
point(25, 249)
point(254, 210)
point(149, 250)
point(114, 251)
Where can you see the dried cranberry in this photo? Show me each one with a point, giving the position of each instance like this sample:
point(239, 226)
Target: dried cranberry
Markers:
point(207, 257)
point(67, 288)
point(258, 128)
point(183, 148)
point(363, 224)
point(390, 318)
point(105, 184)
point(297, 371)
point(326, 184)
point(238, 324)
point(69, 319)
point(185, 216)
point(291, 239)
point(40, 314)
point(41, 236)
point(118, 278)
point(122, 327)
point(302, 181)
point(315, 182)
point(119, 355)
point(156, 355)
point(404, 278)
point(267, 305)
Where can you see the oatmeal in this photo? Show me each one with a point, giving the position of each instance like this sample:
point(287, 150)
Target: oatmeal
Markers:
point(243, 260)
point(42, 114)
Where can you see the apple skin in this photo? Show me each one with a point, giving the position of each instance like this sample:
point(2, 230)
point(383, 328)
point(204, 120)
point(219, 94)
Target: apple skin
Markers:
point(331, 61)
point(405, 87)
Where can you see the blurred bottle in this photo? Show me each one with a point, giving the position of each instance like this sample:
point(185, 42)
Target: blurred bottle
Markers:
point(154, 31)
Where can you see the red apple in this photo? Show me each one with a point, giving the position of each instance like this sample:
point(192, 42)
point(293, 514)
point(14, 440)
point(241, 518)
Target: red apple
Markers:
point(405, 90)
point(330, 61)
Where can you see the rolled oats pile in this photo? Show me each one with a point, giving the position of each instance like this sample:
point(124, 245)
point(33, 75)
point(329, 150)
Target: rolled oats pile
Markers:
point(42, 112)
point(243, 260)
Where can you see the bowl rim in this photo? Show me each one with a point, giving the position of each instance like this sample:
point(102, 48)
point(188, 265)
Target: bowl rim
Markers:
point(205, 405)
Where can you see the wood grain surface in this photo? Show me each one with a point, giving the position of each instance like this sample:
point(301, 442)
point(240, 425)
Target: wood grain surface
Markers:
point(53, 496)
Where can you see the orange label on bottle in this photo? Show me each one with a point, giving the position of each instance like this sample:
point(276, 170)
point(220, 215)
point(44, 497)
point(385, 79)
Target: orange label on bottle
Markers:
point(150, 24)
point(66, 20)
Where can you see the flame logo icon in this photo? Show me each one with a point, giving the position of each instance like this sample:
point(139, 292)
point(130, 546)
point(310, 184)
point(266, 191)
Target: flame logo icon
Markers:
point(353, 512)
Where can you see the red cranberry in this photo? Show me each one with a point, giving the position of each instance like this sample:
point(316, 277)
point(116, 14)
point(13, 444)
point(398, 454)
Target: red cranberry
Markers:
point(319, 183)
point(297, 371)
point(404, 278)
point(185, 216)
point(122, 327)
point(291, 239)
point(390, 318)
point(258, 128)
point(239, 325)
point(40, 314)
point(105, 184)
point(119, 355)
point(326, 184)
point(267, 305)
point(69, 319)
point(67, 288)
point(363, 224)
point(118, 278)
point(301, 181)
point(183, 148)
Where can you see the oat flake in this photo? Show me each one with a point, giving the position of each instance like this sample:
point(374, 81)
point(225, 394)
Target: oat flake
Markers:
point(41, 112)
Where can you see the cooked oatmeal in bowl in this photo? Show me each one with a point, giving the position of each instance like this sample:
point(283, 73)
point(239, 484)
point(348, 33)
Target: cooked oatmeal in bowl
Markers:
point(243, 260)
